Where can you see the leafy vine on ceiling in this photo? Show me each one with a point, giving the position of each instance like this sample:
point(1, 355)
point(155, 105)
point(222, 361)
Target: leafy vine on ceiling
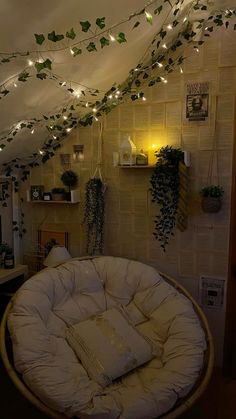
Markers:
point(173, 43)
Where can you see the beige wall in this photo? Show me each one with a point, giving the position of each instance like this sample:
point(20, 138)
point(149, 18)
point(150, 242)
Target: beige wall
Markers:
point(203, 248)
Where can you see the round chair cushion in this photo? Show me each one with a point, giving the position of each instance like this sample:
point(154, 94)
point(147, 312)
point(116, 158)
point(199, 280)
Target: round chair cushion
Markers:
point(57, 298)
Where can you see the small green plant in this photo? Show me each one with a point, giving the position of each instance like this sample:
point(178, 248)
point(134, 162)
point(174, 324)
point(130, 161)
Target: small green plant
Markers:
point(213, 191)
point(69, 178)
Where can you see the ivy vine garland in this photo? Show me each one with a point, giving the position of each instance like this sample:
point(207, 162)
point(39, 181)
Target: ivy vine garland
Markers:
point(165, 192)
point(94, 215)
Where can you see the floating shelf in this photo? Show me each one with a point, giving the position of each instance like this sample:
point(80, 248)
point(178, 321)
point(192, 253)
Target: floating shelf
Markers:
point(135, 166)
point(42, 201)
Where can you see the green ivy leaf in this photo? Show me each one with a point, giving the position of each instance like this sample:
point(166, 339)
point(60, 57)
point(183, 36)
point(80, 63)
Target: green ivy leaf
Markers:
point(41, 76)
point(39, 38)
point(45, 64)
point(121, 37)
point(76, 51)
point(104, 42)
point(149, 18)
point(71, 34)
point(55, 38)
point(4, 92)
point(136, 24)
point(85, 26)
point(91, 47)
point(23, 76)
point(158, 10)
point(100, 22)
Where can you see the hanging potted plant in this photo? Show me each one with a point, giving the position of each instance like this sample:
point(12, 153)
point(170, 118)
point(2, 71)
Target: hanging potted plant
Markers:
point(211, 198)
point(70, 179)
point(165, 192)
point(94, 215)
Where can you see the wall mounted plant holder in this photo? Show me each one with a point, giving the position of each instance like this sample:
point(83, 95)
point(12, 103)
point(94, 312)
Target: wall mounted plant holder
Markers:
point(65, 160)
point(211, 198)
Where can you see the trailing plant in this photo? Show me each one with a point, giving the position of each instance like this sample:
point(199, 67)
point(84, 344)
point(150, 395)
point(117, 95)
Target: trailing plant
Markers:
point(69, 178)
point(165, 192)
point(213, 191)
point(94, 215)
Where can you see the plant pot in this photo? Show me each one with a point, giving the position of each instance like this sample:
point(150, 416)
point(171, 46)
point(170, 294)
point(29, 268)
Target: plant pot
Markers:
point(210, 204)
point(58, 196)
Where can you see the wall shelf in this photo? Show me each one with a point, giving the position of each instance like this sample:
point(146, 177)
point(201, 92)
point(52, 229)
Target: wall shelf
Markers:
point(135, 166)
point(42, 201)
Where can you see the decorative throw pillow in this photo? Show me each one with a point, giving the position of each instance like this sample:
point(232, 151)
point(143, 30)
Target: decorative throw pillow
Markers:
point(108, 345)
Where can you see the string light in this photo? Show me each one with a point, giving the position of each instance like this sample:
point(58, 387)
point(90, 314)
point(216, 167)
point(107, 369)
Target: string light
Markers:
point(169, 27)
point(148, 15)
point(164, 46)
point(32, 131)
point(54, 137)
point(0, 148)
point(65, 117)
point(14, 84)
point(185, 18)
point(86, 104)
point(30, 63)
point(112, 38)
point(181, 70)
point(110, 96)
point(68, 129)
point(64, 83)
point(41, 152)
point(160, 64)
point(94, 110)
point(196, 49)
point(96, 119)
point(71, 51)
point(144, 98)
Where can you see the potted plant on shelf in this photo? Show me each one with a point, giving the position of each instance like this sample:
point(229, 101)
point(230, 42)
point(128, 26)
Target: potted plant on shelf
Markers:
point(58, 194)
point(70, 179)
point(165, 192)
point(94, 215)
point(211, 198)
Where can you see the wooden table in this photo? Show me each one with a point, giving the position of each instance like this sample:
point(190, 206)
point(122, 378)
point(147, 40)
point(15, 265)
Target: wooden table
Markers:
point(8, 274)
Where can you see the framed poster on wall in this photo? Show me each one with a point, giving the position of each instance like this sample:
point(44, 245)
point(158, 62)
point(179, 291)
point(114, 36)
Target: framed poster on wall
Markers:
point(197, 101)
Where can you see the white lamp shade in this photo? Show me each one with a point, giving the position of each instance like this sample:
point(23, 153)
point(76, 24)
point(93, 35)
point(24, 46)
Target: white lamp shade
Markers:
point(57, 255)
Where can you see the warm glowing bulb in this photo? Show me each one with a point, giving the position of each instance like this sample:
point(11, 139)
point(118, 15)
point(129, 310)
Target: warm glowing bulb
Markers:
point(32, 131)
point(77, 94)
point(0, 148)
point(94, 110)
point(30, 63)
point(112, 38)
point(164, 46)
point(64, 83)
point(144, 98)
point(169, 27)
point(65, 117)
point(54, 137)
point(110, 96)
point(86, 104)
point(181, 70)
point(160, 65)
point(41, 152)
point(15, 85)
point(71, 51)
point(154, 146)
point(185, 18)
point(197, 49)
point(51, 126)
point(118, 92)
point(116, 96)
point(68, 129)
point(96, 119)
point(148, 15)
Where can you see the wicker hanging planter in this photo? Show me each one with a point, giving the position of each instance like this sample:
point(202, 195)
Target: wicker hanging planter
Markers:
point(211, 204)
point(211, 198)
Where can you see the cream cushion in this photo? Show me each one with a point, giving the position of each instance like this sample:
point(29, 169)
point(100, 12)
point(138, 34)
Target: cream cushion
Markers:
point(108, 345)
point(57, 298)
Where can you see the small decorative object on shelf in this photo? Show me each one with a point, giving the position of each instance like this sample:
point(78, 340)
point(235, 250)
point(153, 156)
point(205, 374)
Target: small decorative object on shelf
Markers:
point(78, 152)
point(36, 192)
point(69, 178)
point(47, 196)
point(141, 158)
point(127, 152)
point(211, 198)
point(58, 194)
point(9, 260)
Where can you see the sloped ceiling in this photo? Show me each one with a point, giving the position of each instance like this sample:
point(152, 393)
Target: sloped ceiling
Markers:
point(20, 20)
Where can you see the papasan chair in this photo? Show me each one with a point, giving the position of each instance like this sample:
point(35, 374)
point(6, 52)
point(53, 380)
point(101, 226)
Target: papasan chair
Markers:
point(107, 337)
